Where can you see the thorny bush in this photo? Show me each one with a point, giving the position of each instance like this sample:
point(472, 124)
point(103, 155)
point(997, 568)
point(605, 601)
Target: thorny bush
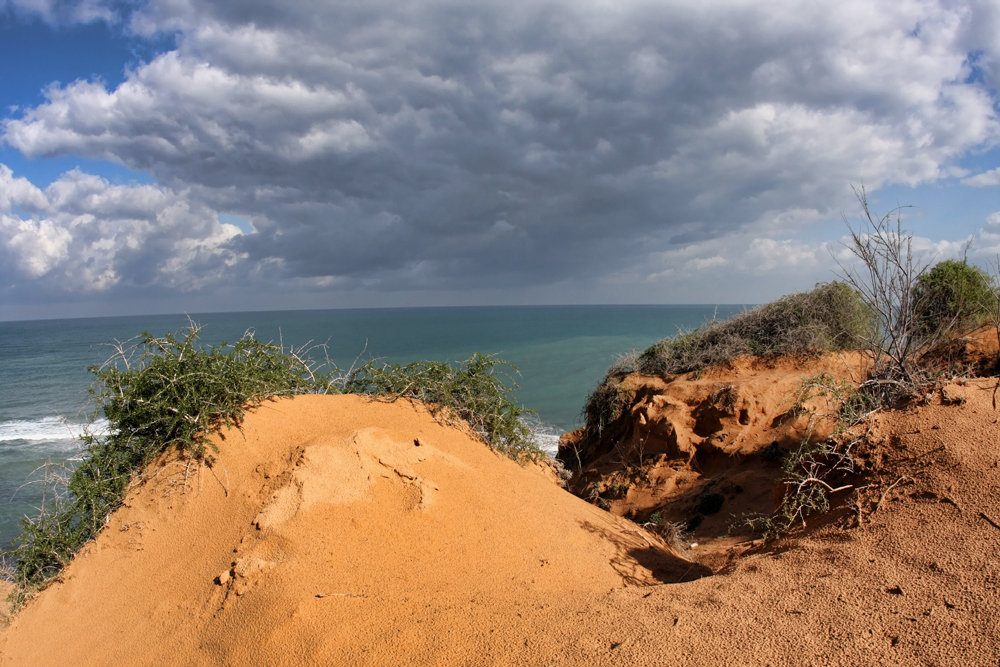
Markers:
point(168, 394)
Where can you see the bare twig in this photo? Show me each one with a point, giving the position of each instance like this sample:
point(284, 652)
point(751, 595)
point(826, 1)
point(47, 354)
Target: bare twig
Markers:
point(886, 493)
point(815, 480)
point(886, 278)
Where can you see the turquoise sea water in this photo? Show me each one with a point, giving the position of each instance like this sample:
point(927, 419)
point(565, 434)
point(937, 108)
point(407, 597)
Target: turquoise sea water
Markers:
point(561, 352)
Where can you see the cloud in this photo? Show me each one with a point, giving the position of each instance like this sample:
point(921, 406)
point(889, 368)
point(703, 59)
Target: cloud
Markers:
point(84, 235)
point(986, 246)
point(769, 254)
point(986, 179)
point(518, 144)
point(62, 12)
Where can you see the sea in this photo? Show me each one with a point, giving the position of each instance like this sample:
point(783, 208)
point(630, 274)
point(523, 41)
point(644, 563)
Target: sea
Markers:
point(560, 352)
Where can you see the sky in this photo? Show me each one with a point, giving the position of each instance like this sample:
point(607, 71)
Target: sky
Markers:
point(161, 156)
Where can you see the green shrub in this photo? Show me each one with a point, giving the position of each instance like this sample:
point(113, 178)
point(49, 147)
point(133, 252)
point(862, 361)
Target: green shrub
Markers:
point(166, 394)
point(830, 317)
point(159, 394)
point(477, 393)
point(953, 296)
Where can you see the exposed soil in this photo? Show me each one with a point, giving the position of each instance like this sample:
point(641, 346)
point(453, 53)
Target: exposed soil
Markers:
point(334, 530)
point(703, 449)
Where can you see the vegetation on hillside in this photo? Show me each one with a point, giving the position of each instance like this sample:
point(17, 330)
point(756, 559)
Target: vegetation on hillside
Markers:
point(830, 317)
point(899, 313)
point(916, 308)
point(474, 393)
point(953, 295)
point(170, 395)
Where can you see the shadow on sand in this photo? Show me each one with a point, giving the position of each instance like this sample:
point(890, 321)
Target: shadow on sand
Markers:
point(644, 559)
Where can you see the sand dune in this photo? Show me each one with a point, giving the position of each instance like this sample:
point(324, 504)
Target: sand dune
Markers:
point(339, 531)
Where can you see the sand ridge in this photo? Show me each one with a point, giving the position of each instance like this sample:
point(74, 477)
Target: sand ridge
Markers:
point(334, 529)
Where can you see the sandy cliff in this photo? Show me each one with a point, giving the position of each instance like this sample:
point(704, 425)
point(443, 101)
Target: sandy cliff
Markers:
point(334, 530)
point(723, 432)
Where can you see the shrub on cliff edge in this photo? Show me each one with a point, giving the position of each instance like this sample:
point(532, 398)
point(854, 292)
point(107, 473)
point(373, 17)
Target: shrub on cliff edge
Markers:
point(953, 295)
point(475, 393)
point(830, 317)
point(157, 394)
point(167, 394)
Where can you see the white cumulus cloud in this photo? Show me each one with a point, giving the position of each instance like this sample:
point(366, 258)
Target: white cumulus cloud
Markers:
point(986, 179)
point(82, 234)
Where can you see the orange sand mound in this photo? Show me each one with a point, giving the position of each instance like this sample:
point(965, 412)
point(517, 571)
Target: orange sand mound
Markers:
point(326, 536)
point(334, 530)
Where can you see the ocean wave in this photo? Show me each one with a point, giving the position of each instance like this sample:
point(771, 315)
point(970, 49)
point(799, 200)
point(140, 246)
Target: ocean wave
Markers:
point(549, 442)
point(546, 436)
point(48, 428)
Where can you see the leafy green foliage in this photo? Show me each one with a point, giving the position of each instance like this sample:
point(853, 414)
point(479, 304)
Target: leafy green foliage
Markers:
point(477, 392)
point(953, 296)
point(158, 394)
point(169, 395)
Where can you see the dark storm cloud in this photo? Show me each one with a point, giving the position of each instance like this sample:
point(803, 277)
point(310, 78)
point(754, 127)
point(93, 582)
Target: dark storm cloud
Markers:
point(434, 144)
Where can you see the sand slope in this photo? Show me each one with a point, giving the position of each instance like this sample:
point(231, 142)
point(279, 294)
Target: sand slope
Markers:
point(342, 542)
point(325, 534)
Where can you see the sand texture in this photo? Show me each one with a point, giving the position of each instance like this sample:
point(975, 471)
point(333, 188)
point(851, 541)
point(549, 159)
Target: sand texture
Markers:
point(340, 531)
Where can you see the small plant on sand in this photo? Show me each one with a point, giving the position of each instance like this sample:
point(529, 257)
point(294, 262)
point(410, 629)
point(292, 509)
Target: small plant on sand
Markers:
point(673, 533)
point(478, 392)
point(842, 403)
point(806, 485)
point(809, 473)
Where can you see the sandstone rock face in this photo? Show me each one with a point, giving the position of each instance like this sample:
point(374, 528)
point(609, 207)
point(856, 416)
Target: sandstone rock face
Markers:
point(719, 432)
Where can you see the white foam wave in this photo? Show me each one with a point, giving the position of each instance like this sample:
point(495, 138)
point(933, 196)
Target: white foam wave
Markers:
point(48, 428)
point(546, 436)
point(549, 443)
